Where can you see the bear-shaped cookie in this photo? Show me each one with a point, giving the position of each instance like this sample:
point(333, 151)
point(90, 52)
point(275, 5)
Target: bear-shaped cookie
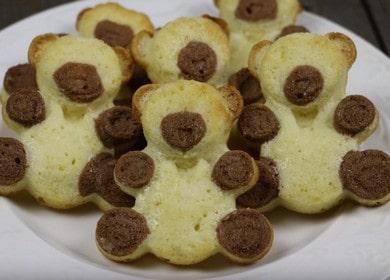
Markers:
point(259, 19)
point(186, 48)
point(59, 105)
point(112, 23)
point(185, 182)
point(309, 130)
point(251, 21)
point(116, 26)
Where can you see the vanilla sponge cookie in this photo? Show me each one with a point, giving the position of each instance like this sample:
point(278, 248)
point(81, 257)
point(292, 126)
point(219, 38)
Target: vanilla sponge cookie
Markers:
point(258, 19)
point(185, 182)
point(251, 21)
point(117, 26)
point(309, 130)
point(186, 48)
point(60, 106)
point(112, 23)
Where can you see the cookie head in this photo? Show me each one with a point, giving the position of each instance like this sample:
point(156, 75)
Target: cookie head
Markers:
point(77, 72)
point(194, 118)
point(258, 19)
point(187, 48)
point(300, 81)
point(112, 23)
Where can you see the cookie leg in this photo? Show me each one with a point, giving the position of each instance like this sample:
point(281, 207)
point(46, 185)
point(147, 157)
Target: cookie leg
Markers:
point(356, 116)
point(120, 234)
point(97, 177)
point(366, 176)
point(245, 235)
point(264, 194)
point(13, 165)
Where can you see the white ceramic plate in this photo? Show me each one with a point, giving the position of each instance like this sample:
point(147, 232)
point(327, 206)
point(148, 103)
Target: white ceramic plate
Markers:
point(350, 242)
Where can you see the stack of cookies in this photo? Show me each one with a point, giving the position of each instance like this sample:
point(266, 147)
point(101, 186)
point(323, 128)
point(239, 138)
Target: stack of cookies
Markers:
point(184, 135)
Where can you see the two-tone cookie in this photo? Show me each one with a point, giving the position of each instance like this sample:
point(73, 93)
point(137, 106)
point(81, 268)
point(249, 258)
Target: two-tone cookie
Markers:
point(185, 182)
point(117, 26)
point(186, 48)
point(309, 130)
point(60, 106)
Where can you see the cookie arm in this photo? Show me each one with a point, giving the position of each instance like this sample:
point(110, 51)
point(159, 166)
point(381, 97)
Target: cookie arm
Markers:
point(236, 172)
point(134, 171)
point(356, 116)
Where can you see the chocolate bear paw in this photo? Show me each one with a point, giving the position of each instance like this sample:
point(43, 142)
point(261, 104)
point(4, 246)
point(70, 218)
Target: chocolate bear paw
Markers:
point(245, 235)
point(366, 176)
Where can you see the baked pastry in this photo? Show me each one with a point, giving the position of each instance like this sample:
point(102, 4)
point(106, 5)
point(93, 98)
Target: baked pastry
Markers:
point(112, 23)
point(251, 21)
point(186, 48)
point(59, 105)
point(309, 130)
point(117, 26)
point(258, 19)
point(185, 182)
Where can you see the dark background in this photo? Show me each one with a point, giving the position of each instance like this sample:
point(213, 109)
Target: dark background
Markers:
point(368, 18)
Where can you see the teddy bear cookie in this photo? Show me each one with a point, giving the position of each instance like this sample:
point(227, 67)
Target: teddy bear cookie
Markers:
point(117, 26)
point(259, 19)
point(186, 48)
point(185, 182)
point(60, 106)
point(112, 23)
point(251, 21)
point(309, 130)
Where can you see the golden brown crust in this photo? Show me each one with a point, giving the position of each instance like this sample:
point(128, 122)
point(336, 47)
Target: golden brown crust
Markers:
point(115, 6)
point(117, 9)
point(254, 53)
point(234, 99)
point(37, 44)
point(139, 96)
point(300, 8)
point(136, 47)
point(126, 61)
point(80, 16)
point(346, 45)
point(222, 23)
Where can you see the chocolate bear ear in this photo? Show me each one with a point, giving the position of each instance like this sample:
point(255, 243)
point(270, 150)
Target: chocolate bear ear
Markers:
point(345, 45)
point(234, 100)
point(139, 98)
point(257, 54)
point(222, 23)
point(139, 47)
point(38, 44)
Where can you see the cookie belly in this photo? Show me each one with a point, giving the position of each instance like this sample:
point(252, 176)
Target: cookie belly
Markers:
point(57, 153)
point(312, 195)
point(183, 210)
point(308, 164)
